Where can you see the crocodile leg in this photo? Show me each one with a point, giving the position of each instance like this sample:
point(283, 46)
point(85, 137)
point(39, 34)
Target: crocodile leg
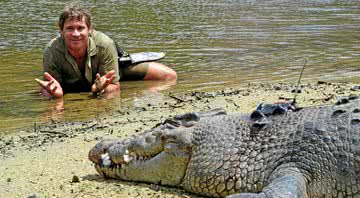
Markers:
point(286, 183)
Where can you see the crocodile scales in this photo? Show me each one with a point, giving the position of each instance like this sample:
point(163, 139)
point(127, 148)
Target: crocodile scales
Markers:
point(308, 152)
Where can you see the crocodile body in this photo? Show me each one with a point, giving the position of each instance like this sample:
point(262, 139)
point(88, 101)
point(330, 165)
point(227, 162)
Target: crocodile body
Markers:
point(308, 152)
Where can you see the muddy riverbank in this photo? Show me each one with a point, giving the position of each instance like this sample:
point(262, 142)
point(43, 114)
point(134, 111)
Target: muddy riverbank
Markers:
point(50, 159)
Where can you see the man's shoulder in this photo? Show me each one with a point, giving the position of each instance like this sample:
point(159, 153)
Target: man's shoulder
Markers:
point(101, 39)
point(56, 43)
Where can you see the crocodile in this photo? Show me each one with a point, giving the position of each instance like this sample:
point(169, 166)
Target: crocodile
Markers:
point(300, 152)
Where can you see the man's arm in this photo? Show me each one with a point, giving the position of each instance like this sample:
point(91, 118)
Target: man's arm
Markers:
point(113, 90)
point(107, 77)
point(50, 87)
point(106, 83)
point(50, 84)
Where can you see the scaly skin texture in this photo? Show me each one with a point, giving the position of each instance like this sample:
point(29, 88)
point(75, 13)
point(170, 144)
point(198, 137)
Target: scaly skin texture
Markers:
point(309, 152)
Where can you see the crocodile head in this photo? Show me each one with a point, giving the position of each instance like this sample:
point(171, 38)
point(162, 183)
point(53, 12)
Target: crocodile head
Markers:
point(158, 156)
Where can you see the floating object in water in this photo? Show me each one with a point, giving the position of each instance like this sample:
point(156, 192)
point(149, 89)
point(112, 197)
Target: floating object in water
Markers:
point(142, 57)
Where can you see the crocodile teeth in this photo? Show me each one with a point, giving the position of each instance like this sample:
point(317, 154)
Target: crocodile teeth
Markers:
point(127, 158)
point(105, 158)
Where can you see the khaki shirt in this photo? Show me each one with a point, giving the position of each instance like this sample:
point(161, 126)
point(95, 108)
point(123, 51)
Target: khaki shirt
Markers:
point(101, 58)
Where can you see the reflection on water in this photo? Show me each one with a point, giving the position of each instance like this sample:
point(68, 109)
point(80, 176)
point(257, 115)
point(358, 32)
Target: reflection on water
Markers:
point(211, 44)
point(73, 104)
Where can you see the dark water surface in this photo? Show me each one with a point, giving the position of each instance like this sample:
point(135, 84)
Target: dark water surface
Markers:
point(210, 43)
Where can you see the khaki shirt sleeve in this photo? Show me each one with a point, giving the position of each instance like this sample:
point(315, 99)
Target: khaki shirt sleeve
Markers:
point(50, 66)
point(109, 60)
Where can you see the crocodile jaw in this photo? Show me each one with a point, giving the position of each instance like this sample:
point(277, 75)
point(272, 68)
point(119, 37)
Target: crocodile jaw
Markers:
point(164, 168)
point(159, 158)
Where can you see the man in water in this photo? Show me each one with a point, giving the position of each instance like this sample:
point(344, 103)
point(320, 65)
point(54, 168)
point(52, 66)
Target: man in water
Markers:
point(82, 60)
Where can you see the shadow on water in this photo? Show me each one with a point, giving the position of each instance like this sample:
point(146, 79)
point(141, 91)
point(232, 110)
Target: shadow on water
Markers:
point(211, 44)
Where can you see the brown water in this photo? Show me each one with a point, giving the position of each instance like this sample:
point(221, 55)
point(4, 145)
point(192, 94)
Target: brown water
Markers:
point(211, 44)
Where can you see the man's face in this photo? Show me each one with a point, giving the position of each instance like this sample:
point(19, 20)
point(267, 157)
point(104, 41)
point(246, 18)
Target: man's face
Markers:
point(76, 34)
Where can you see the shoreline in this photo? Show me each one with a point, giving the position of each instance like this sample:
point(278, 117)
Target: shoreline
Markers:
point(50, 160)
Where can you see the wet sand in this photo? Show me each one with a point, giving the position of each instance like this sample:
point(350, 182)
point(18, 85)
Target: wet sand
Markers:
point(50, 160)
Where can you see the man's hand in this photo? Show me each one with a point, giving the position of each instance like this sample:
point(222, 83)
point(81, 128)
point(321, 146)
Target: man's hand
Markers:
point(50, 87)
point(102, 82)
